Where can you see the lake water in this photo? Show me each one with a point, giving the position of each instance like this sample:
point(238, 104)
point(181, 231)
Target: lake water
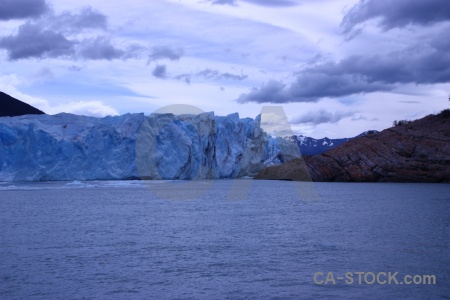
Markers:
point(223, 239)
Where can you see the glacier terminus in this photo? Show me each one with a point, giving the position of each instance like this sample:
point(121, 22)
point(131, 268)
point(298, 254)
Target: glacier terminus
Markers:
point(136, 146)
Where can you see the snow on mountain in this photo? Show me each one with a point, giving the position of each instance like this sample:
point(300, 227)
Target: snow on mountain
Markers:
point(133, 146)
point(311, 146)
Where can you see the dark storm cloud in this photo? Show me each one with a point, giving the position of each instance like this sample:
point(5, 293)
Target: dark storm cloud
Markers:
point(230, 76)
point(273, 91)
point(424, 63)
point(160, 71)
point(33, 42)
point(216, 75)
point(271, 3)
point(211, 74)
point(68, 21)
point(321, 116)
point(21, 9)
point(208, 73)
point(398, 13)
point(56, 36)
point(165, 52)
point(185, 77)
point(99, 48)
point(309, 88)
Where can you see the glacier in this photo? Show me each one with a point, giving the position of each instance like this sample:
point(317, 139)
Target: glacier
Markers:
point(136, 146)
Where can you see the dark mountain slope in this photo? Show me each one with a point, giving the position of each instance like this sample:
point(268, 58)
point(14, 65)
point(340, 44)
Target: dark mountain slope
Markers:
point(413, 152)
point(11, 107)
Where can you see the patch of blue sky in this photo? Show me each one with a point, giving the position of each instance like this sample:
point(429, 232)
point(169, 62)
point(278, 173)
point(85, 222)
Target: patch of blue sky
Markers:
point(349, 101)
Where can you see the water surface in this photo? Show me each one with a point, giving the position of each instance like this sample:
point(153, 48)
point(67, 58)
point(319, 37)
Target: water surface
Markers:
point(224, 239)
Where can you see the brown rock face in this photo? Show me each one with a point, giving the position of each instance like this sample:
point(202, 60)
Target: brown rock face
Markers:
point(414, 152)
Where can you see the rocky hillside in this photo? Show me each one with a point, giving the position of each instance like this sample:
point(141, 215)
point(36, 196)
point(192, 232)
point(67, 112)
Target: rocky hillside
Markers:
point(417, 151)
point(11, 107)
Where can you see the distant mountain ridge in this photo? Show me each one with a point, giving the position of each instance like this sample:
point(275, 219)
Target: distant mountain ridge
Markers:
point(417, 151)
point(310, 146)
point(11, 107)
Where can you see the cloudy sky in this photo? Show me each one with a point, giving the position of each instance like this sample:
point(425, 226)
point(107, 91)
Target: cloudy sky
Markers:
point(337, 67)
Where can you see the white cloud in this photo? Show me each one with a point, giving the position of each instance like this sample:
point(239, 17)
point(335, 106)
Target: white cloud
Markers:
point(86, 108)
point(9, 84)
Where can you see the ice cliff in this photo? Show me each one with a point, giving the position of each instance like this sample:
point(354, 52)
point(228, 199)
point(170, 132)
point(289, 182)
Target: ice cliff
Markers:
point(133, 146)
